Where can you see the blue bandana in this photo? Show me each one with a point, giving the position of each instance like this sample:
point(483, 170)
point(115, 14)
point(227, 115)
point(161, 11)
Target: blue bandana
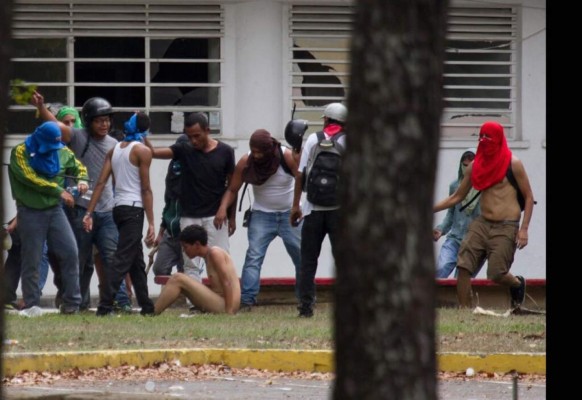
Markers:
point(43, 149)
point(131, 131)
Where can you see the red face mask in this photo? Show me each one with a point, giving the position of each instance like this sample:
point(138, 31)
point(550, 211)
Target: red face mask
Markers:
point(492, 158)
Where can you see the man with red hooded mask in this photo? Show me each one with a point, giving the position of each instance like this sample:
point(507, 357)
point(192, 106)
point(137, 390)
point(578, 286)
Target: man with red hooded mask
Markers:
point(497, 232)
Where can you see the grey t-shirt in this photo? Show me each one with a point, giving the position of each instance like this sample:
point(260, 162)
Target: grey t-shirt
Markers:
point(93, 157)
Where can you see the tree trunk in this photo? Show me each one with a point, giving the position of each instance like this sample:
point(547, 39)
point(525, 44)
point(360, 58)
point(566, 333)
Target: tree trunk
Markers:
point(385, 287)
point(5, 43)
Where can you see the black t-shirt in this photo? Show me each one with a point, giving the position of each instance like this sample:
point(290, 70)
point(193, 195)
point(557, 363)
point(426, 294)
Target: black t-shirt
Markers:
point(204, 178)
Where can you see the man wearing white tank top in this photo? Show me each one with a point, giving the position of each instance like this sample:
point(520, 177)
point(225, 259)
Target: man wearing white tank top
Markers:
point(129, 163)
point(264, 169)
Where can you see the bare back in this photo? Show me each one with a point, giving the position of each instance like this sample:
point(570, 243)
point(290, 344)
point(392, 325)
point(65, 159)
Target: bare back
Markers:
point(222, 275)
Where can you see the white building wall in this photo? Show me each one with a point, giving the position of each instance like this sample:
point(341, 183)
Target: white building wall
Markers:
point(256, 95)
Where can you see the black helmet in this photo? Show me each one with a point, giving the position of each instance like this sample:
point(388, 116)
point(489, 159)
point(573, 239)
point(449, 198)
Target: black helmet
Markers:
point(294, 132)
point(95, 107)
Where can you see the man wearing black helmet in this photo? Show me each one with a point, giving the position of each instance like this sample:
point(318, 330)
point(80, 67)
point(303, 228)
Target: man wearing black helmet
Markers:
point(91, 144)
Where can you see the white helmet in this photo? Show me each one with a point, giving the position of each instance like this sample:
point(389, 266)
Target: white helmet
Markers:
point(336, 111)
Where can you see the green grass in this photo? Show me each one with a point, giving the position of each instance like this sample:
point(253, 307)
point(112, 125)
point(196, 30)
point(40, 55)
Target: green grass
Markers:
point(263, 327)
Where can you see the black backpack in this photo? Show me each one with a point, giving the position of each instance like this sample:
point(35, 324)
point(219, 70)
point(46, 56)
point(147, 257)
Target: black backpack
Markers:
point(323, 170)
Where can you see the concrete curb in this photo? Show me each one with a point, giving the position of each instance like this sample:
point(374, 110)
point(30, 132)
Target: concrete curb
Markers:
point(269, 359)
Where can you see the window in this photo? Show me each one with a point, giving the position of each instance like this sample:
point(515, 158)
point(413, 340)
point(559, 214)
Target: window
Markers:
point(164, 59)
point(480, 81)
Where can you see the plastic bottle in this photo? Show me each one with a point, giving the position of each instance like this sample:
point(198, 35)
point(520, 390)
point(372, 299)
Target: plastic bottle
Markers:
point(74, 190)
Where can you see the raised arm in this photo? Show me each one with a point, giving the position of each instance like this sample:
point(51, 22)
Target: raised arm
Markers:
point(37, 100)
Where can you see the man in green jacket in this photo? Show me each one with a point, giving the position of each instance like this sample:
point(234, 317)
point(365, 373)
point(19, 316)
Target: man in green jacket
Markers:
point(37, 172)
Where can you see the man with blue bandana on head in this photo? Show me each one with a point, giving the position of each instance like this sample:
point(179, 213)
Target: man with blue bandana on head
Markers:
point(37, 176)
point(129, 164)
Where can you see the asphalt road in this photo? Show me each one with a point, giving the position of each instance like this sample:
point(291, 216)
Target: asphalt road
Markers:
point(255, 389)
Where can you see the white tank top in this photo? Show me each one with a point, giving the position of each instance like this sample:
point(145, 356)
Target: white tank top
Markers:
point(276, 194)
point(127, 189)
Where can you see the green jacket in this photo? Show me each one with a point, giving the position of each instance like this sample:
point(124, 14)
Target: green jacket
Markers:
point(36, 191)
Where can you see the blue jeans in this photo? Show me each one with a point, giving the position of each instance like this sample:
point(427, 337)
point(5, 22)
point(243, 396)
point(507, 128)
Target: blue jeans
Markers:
point(50, 225)
point(263, 228)
point(447, 261)
point(105, 236)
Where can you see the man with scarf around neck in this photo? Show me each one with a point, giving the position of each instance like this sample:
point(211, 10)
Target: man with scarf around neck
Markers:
point(90, 145)
point(456, 221)
point(497, 232)
point(129, 165)
point(207, 168)
point(318, 221)
point(37, 177)
point(271, 208)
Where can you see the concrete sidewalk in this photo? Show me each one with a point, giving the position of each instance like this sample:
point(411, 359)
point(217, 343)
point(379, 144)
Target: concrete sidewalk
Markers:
point(272, 360)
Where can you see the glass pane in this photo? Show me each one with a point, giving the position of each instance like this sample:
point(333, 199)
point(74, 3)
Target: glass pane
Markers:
point(185, 96)
point(169, 72)
point(118, 96)
point(39, 71)
point(109, 47)
point(35, 48)
point(113, 72)
point(173, 122)
point(182, 48)
point(22, 121)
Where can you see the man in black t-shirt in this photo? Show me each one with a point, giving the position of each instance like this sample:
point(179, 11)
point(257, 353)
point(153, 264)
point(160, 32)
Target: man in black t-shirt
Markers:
point(207, 168)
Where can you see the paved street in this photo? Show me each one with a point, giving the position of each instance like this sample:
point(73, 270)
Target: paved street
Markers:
point(253, 388)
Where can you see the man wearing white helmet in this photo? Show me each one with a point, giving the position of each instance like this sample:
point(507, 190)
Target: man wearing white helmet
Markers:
point(319, 220)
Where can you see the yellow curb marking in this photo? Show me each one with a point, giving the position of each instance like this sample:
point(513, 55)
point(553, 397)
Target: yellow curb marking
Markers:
point(273, 360)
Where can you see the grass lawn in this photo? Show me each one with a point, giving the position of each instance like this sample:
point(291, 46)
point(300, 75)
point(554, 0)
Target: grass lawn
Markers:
point(264, 327)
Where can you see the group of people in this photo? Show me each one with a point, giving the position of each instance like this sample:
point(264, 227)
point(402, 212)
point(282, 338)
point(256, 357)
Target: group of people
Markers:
point(105, 218)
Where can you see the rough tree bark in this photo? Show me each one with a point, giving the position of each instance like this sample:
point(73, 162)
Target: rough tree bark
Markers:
point(385, 287)
point(5, 43)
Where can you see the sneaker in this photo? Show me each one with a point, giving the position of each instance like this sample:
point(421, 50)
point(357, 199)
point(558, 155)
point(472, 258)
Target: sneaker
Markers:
point(68, 311)
point(305, 311)
point(517, 293)
point(245, 307)
point(125, 309)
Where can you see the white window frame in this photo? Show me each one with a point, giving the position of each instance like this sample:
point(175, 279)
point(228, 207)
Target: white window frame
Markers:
point(472, 22)
point(148, 19)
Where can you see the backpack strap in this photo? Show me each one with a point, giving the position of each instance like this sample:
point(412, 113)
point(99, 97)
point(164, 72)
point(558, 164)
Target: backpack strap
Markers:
point(470, 201)
point(242, 196)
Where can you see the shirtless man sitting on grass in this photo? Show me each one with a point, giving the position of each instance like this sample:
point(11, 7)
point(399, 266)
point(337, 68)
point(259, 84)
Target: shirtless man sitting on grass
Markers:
point(223, 293)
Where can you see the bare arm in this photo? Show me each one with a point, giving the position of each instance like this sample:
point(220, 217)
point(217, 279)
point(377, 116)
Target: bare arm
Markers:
point(223, 266)
point(97, 191)
point(231, 193)
point(296, 214)
point(144, 156)
point(459, 194)
point(37, 100)
point(163, 153)
point(291, 159)
point(525, 187)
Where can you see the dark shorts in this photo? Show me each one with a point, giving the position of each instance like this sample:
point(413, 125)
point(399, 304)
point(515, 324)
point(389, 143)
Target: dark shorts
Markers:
point(491, 240)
